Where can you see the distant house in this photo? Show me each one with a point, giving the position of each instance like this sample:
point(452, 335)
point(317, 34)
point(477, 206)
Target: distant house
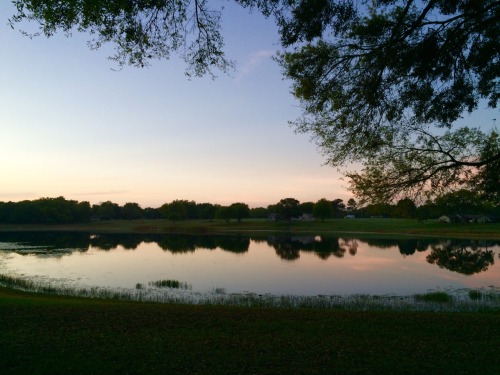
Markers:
point(274, 217)
point(485, 219)
point(350, 217)
point(306, 217)
point(478, 218)
point(451, 218)
point(466, 218)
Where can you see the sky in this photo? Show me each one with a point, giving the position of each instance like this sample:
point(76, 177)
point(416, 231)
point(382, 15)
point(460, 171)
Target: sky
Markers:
point(73, 125)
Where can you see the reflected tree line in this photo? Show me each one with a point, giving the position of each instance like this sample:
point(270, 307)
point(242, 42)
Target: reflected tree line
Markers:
point(463, 256)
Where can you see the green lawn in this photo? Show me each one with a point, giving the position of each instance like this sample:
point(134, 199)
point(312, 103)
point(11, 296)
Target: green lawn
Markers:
point(60, 335)
point(339, 226)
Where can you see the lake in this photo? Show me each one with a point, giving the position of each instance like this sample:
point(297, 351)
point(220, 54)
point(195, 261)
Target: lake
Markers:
point(302, 265)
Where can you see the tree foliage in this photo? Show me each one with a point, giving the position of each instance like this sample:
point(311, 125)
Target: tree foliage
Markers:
point(288, 208)
point(45, 210)
point(239, 211)
point(385, 90)
point(322, 209)
point(131, 211)
point(140, 30)
point(406, 209)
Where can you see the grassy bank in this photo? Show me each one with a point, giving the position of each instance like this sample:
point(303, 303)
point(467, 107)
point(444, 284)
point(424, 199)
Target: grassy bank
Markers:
point(335, 226)
point(48, 334)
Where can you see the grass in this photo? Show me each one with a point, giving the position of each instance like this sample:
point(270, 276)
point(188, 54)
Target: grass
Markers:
point(334, 226)
point(52, 334)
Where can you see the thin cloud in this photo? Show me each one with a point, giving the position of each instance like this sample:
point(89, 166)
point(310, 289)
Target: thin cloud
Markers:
point(253, 62)
point(23, 195)
point(107, 192)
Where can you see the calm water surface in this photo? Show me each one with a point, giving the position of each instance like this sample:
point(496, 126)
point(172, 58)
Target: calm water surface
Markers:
point(298, 265)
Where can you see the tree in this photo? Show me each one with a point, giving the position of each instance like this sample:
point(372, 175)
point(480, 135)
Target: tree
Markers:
point(385, 86)
point(351, 205)
point(175, 210)
point(151, 213)
point(108, 210)
point(338, 208)
point(406, 209)
point(306, 207)
point(379, 209)
point(288, 208)
point(206, 211)
point(140, 30)
point(239, 211)
point(322, 209)
point(45, 210)
point(487, 180)
point(462, 201)
point(131, 211)
point(223, 213)
point(259, 213)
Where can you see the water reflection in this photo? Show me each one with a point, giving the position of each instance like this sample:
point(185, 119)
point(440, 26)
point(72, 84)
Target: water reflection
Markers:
point(405, 246)
point(291, 263)
point(462, 256)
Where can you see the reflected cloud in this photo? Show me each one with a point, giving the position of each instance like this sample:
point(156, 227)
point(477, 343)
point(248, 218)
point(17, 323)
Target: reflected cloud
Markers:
point(371, 263)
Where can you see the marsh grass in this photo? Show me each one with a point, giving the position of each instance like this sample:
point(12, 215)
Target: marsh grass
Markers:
point(161, 292)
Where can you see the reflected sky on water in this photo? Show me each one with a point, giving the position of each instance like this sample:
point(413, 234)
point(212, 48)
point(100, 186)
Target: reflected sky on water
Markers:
point(285, 264)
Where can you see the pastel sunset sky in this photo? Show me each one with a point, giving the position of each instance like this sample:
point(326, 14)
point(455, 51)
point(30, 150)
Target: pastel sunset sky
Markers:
point(72, 125)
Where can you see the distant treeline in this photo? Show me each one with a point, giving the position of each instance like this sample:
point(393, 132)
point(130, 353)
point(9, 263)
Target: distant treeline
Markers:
point(60, 210)
point(45, 210)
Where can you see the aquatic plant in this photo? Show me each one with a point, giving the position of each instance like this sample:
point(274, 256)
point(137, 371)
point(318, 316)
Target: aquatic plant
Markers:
point(175, 284)
point(475, 294)
point(441, 297)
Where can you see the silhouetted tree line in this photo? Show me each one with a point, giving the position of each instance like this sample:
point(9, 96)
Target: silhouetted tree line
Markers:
point(59, 210)
point(462, 201)
point(46, 211)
